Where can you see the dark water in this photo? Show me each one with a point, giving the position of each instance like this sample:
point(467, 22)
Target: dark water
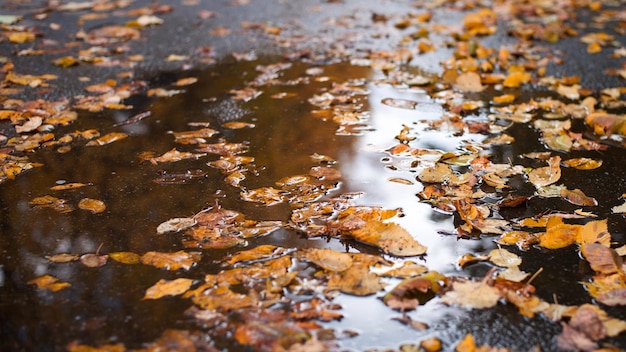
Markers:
point(104, 304)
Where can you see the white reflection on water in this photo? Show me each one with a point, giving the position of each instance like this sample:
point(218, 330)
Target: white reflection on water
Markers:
point(364, 171)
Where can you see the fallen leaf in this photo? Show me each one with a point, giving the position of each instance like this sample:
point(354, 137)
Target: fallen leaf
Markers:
point(469, 82)
point(49, 282)
point(471, 294)
point(583, 163)
point(357, 280)
point(577, 197)
point(171, 261)
point(602, 259)
point(547, 175)
point(94, 260)
point(168, 288)
point(327, 259)
point(175, 225)
point(93, 205)
point(390, 237)
point(63, 258)
point(125, 257)
point(107, 139)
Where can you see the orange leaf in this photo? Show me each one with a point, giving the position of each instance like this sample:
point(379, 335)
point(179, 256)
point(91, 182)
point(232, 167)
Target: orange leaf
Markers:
point(168, 288)
point(558, 234)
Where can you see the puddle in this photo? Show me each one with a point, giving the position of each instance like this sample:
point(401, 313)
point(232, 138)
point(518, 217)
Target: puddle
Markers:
point(104, 304)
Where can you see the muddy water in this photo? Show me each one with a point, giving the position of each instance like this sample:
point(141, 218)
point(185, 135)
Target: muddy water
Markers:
point(104, 304)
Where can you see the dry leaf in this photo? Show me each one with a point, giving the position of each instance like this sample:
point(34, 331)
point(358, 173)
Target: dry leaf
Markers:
point(327, 259)
point(469, 82)
point(472, 294)
point(390, 237)
point(547, 175)
point(175, 225)
point(357, 280)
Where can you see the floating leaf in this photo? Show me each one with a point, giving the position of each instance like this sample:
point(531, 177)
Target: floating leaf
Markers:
point(173, 156)
point(400, 103)
point(175, 225)
point(390, 237)
point(472, 294)
point(55, 203)
point(265, 195)
point(547, 175)
point(262, 252)
point(171, 261)
point(469, 82)
point(504, 258)
point(327, 259)
point(94, 260)
point(583, 163)
point(577, 197)
point(107, 139)
point(357, 280)
point(67, 186)
point(168, 288)
point(125, 257)
point(93, 205)
point(49, 282)
point(63, 258)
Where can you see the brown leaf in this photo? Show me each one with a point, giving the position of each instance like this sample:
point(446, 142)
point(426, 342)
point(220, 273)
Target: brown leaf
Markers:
point(94, 260)
point(265, 195)
point(57, 204)
point(262, 252)
point(63, 258)
point(602, 259)
point(577, 197)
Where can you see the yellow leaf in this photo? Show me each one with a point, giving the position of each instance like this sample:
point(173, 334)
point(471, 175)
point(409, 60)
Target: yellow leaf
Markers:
point(125, 257)
point(583, 163)
point(49, 282)
point(21, 37)
point(94, 205)
point(558, 234)
point(107, 139)
point(595, 232)
point(516, 79)
point(168, 288)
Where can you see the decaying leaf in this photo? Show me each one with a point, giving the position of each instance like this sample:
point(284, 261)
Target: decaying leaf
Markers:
point(55, 203)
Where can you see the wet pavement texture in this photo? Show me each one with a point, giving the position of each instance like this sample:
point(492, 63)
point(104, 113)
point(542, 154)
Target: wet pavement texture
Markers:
point(222, 44)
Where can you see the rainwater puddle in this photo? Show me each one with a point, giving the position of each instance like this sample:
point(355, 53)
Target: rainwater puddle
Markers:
point(104, 305)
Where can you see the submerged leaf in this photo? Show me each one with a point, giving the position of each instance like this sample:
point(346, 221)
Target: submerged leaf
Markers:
point(49, 282)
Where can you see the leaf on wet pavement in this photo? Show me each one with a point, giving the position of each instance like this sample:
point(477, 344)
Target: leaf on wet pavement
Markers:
point(469, 82)
point(577, 197)
point(168, 288)
point(583, 163)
